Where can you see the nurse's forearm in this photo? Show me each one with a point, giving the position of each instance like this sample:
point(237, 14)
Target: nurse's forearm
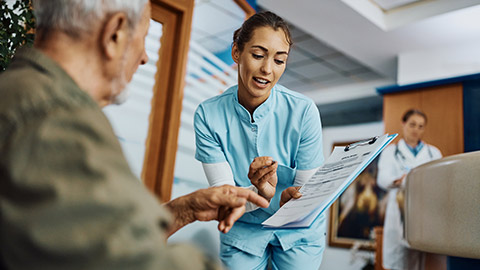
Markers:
point(219, 174)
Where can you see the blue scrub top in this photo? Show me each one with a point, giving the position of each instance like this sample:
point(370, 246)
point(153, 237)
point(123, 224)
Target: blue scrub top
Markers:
point(286, 127)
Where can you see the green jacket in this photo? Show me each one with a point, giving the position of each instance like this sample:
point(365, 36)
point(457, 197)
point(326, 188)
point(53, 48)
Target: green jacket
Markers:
point(68, 199)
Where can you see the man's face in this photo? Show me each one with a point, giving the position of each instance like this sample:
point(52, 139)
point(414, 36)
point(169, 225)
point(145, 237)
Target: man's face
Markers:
point(135, 55)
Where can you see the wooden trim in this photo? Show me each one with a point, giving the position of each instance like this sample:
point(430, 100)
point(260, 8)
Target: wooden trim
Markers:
point(161, 145)
point(249, 10)
point(378, 231)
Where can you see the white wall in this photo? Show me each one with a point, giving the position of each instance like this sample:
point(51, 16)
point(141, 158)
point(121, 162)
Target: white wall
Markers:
point(440, 63)
point(349, 133)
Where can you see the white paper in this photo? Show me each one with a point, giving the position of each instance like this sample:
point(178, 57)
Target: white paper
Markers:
point(327, 184)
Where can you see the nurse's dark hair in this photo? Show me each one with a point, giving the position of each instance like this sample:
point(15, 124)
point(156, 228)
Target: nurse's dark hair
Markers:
point(243, 34)
point(411, 112)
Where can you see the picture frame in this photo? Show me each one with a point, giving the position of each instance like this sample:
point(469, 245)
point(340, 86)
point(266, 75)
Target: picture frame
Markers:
point(360, 209)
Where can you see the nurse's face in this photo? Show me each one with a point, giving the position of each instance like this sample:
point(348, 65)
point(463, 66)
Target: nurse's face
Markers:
point(260, 64)
point(413, 128)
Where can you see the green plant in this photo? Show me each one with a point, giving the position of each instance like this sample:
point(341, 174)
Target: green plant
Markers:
point(17, 24)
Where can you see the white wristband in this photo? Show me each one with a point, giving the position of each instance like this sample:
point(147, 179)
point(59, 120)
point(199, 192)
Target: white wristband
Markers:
point(249, 207)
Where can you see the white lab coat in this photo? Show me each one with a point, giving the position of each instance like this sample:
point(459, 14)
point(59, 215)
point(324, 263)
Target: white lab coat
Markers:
point(395, 161)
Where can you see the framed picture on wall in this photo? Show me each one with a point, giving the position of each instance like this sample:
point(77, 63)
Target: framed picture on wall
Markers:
point(358, 210)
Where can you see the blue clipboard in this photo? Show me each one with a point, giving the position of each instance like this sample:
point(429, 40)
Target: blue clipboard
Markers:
point(309, 218)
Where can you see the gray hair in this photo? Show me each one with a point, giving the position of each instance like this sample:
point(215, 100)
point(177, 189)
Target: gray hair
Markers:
point(78, 17)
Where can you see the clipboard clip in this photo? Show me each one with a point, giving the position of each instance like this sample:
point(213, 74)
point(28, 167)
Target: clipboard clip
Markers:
point(363, 142)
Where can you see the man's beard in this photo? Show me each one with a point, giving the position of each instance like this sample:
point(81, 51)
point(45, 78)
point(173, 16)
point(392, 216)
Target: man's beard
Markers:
point(123, 95)
point(119, 91)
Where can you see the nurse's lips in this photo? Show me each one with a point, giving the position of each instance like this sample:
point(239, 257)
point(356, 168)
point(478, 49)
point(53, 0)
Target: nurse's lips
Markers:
point(261, 82)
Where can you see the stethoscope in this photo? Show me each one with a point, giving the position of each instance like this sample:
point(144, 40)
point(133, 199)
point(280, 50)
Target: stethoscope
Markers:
point(403, 160)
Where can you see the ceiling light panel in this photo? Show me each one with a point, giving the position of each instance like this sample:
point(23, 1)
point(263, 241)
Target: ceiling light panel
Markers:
point(391, 4)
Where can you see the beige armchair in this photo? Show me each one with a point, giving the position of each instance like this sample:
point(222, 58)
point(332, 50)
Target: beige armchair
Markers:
point(442, 203)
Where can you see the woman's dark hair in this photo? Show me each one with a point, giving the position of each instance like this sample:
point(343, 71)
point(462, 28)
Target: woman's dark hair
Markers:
point(243, 34)
point(411, 112)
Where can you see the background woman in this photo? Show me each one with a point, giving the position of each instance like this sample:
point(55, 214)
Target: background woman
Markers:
point(394, 163)
point(262, 136)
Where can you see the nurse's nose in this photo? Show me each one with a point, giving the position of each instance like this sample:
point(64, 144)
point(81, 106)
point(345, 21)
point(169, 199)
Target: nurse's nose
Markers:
point(266, 67)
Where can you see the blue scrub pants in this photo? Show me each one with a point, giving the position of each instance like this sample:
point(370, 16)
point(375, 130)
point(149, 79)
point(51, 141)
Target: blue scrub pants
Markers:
point(305, 256)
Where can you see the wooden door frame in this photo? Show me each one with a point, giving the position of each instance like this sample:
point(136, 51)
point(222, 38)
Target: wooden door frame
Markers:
point(164, 121)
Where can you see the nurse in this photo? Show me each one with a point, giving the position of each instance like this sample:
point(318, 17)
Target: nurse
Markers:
point(262, 136)
point(394, 163)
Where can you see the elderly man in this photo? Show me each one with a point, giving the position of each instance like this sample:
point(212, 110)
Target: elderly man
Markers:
point(67, 197)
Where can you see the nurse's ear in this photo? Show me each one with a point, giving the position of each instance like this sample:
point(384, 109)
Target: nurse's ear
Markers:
point(235, 53)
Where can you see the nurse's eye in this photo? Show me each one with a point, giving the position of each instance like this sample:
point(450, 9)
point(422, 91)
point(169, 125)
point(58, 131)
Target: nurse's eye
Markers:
point(279, 62)
point(257, 56)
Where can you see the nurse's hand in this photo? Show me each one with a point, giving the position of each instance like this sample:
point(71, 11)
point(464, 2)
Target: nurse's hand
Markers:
point(290, 193)
point(263, 175)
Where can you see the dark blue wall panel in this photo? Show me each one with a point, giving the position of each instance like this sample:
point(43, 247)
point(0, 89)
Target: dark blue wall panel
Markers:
point(471, 115)
point(457, 263)
point(415, 86)
point(471, 123)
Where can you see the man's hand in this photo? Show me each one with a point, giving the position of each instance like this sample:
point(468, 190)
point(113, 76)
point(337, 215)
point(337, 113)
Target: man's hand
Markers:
point(225, 204)
point(288, 194)
point(263, 175)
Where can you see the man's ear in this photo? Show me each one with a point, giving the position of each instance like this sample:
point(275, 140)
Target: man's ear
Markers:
point(114, 38)
point(235, 53)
